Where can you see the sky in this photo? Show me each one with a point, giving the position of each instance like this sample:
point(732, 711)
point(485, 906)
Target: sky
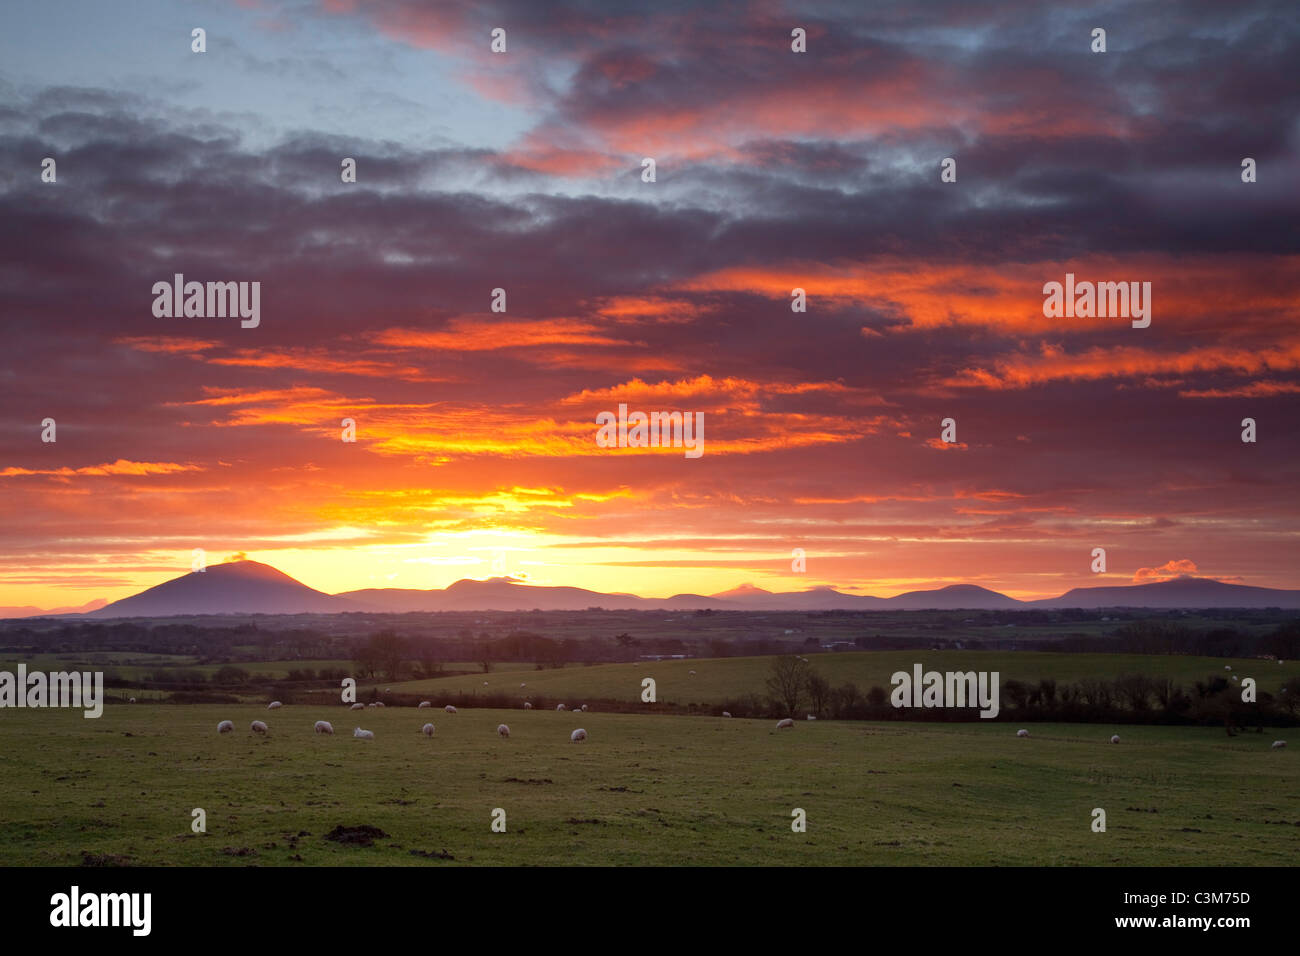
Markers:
point(476, 449)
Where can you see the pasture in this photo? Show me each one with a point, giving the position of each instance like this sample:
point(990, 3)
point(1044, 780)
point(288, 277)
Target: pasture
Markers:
point(642, 790)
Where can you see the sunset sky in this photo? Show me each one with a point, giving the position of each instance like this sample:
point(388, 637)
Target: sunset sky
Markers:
point(476, 430)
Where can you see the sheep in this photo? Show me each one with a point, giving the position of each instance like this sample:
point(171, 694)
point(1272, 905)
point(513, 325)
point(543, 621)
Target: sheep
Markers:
point(427, 730)
point(726, 713)
point(503, 730)
point(485, 683)
point(1278, 744)
point(274, 705)
point(584, 707)
point(1022, 733)
point(257, 727)
point(225, 727)
point(811, 717)
point(577, 735)
point(450, 709)
point(357, 707)
point(1227, 667)
point(560, 707)
point(324, 727)
point(692, 673)
point(785, 724)
point(131, 700)
point(424, 704)
point(523, 683)
point(1115, 739)
point(527, 706)
point(363, 734)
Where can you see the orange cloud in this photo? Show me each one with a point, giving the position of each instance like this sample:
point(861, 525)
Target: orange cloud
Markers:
point(1166, 572)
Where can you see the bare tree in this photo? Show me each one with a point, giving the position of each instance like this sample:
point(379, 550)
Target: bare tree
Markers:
point(788, 683)
point(819, 692)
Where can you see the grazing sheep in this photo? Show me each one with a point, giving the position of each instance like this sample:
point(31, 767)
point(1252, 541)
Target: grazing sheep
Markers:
point(427, 730)
point(692, 673)
point(1279, 744)
point(485, 683)
point(324, 727)
point(225, 727)
point(577, 735)
point(357, 707)
point(560, 707)
point(726, 713)
point(584, 707)
point(503, 730)
point(527, 706)
point(257, 727)
point(131, 700)
point(424, 704)
point(1226, 667)
point(811, 717)
point(523, 684)
point(1115, 739)
point(378, 703)
point(785, 724)
point(372, 704)
point(363, 734)
point(1022, 733)
point(450, 709)
point(274, 705)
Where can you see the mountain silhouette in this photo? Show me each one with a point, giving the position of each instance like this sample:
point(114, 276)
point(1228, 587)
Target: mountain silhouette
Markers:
point(249, 587)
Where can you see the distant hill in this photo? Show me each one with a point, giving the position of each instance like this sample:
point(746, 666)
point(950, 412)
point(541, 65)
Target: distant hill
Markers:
point(1181, 592)
point(29, 611)
point(238, 587)
point(248, 587)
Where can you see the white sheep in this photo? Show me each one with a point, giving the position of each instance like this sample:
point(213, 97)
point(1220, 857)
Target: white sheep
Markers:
point(363, 734)
point(1115, 739)
point(726, 713)
point(1279, 744)
point(357, 707)
point(523, 684)
point(427, 730)
point(1227, 667)
point(584, 708)
point(378, 703)
point(785, 724)
point(692, 673)
point(424, 704)
point(527, 706)
point(560, 707)
point(503, 730)
point(450, 709)
point(257, 727)
point(324, 727)
point(225, 727)
point(811, 717)
point(131, 700)
point(274, 705)
point(1022, 733)
point(485, 683)
point(577, 735)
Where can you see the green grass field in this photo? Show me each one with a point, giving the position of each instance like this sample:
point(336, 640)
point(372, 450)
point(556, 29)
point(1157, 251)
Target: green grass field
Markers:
point(718, 679)
point(658, 790)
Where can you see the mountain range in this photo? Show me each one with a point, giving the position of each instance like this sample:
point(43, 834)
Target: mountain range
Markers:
point(250, 587)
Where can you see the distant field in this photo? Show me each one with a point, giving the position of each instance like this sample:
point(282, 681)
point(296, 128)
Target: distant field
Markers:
point(718, 679)
point(655, 790)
